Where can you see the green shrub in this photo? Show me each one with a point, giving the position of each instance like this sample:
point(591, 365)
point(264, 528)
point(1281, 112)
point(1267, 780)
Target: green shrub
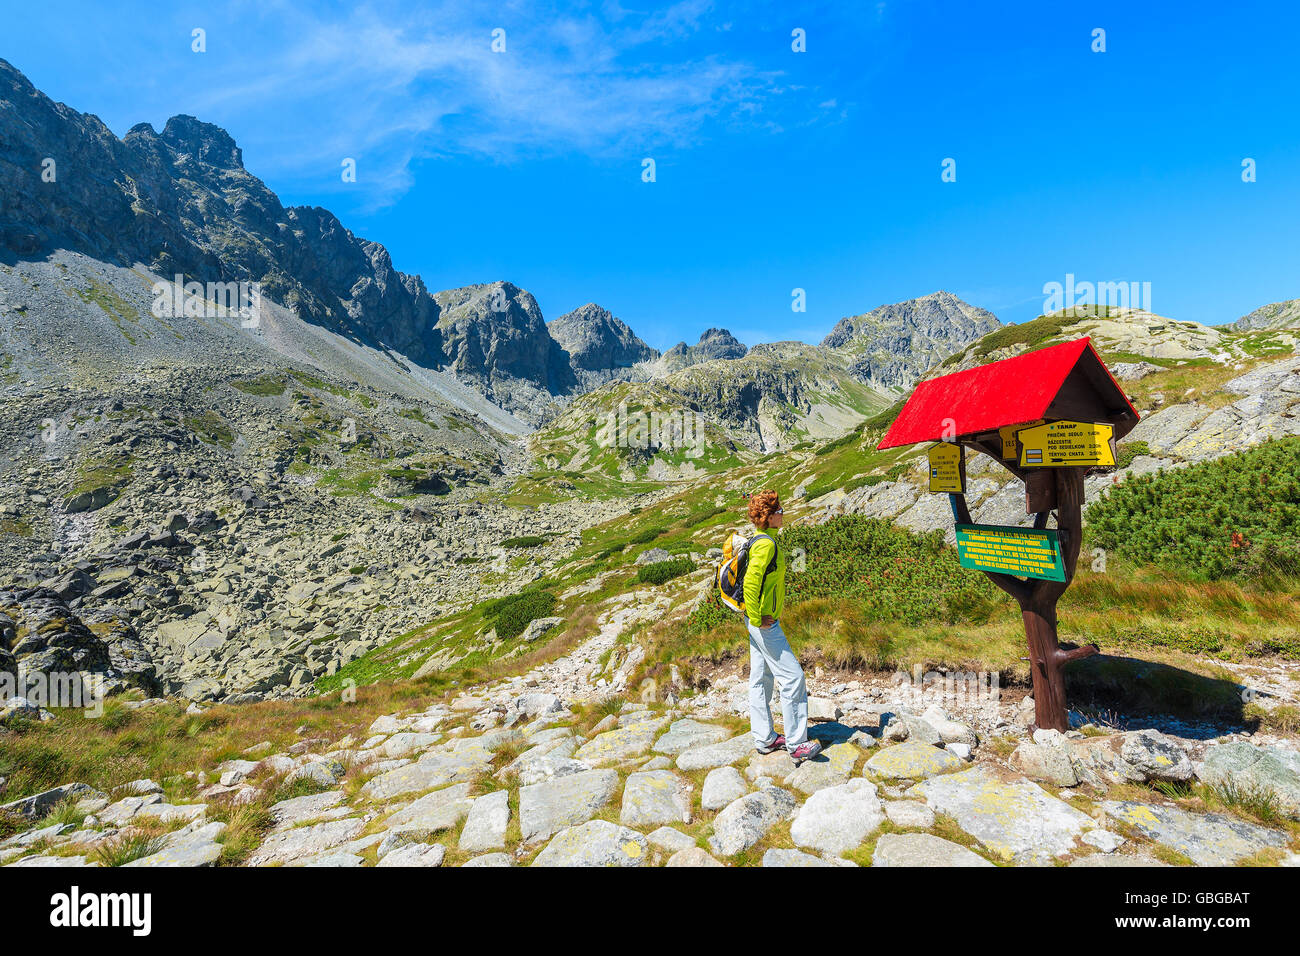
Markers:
point(661, 571)
point(65, 812)
point(527, 541)
point(1034, 334)
point(1253, 800)
point(699, 517)
point(893, 574)
point(711, 613)
point(839, 442)
point(1236, 516)
point(301, 787)
point(1129, 450)
point(647, 535)
point(415, 415)
point(512, 614)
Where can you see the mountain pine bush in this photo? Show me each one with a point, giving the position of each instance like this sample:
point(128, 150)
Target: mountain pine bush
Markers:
point(514, 613)
point(893, 574)
point(699, 517)
point(660, 571)
point(1236, 516)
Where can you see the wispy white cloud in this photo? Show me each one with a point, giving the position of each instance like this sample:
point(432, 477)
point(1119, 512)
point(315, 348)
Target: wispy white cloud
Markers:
point(389, 87)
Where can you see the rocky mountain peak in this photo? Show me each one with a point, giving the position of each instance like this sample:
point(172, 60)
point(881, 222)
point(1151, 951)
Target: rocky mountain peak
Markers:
point(721, 342)
point(205, 142)
point(1276, 315)
point(893, 345)
point(493, 334)
point(485, 299)
point(13, 78)
point(713, 344)
point(935, 315)
point(599, 341)
point(181, 202)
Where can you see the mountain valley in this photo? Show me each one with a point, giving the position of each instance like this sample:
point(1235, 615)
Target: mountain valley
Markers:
point(415, 574)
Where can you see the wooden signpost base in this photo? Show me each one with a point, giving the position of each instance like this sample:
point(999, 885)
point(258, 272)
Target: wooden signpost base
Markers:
point(1046, 416)
point(1037, 599)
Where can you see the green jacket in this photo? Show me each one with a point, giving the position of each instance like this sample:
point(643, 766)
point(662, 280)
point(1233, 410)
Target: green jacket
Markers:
point(773, 596)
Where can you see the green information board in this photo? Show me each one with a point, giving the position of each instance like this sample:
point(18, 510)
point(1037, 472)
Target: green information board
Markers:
point(1024, 552)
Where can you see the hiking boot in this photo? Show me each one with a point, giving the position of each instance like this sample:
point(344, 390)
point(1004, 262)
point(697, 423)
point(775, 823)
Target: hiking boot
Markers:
point(774, 746)
point(805, 751)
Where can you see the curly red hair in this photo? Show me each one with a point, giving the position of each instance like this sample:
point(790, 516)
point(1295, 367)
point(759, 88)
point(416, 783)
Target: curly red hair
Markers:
point(762, 504)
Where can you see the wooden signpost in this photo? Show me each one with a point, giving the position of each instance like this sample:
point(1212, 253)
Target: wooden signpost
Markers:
point(1047, 417)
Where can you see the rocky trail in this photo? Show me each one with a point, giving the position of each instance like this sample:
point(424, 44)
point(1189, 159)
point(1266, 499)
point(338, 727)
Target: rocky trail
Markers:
point(555, 768)
point(575, 676)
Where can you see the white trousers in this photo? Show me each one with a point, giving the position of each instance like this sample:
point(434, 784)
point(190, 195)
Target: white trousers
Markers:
point(772, 662)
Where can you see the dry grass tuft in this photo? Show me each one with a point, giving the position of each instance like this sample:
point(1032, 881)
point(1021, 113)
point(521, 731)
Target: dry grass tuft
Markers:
point(246, 826)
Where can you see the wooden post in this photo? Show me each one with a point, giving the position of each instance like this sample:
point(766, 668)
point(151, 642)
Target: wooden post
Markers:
point(1037, 600)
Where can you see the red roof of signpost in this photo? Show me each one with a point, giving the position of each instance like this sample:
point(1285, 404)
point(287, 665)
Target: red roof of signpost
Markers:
point(1009, 392)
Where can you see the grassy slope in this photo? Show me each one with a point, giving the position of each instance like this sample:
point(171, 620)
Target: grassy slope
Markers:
point(1131, 609)
point(578, 454)
point(576, 447)
point(158, 742)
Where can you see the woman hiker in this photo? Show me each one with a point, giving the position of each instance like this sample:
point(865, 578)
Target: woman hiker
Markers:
point(770, 657)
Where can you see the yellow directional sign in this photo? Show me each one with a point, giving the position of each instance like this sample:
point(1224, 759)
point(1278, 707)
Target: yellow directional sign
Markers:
point(1008, 435)
point(948, 468)
point(1061, 444)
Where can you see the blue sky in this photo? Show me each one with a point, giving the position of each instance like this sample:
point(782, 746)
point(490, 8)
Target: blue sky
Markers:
point(775, 170)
